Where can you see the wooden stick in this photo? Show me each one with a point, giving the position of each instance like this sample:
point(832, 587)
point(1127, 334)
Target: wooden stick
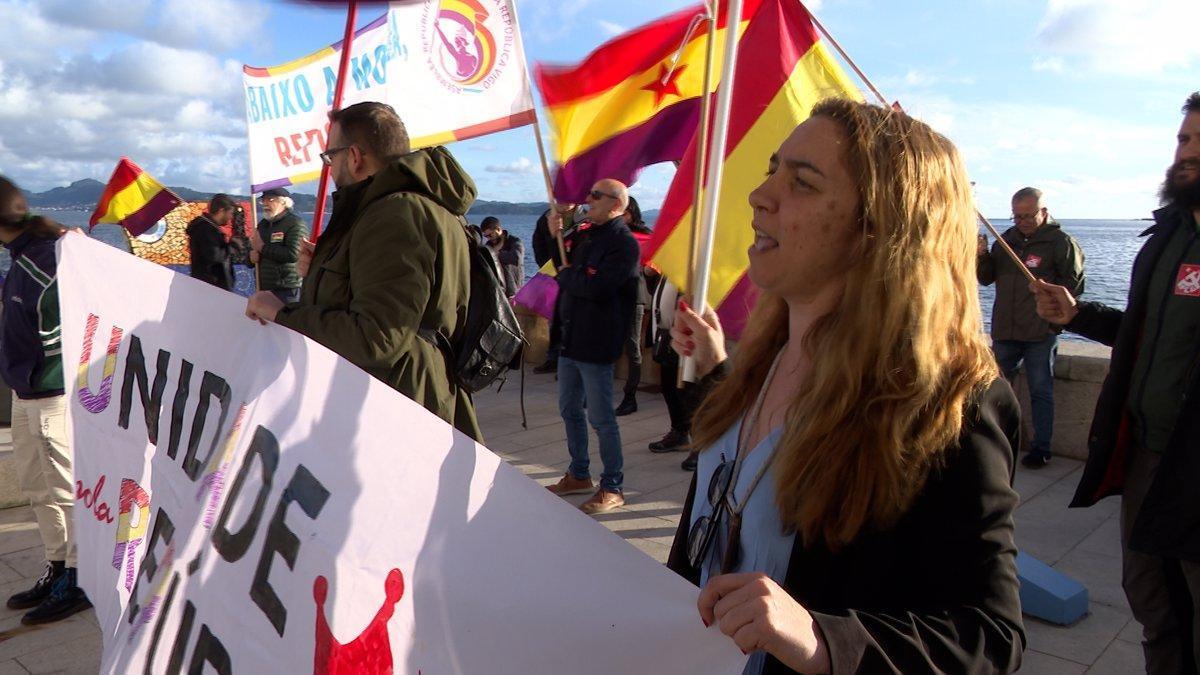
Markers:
point(884, 102)
point(537, 135)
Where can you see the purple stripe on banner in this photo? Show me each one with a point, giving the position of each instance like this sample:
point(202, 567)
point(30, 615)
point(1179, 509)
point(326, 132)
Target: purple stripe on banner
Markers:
point(278, 182)
point(538, 295)
point(662, 138)
point(144, 218)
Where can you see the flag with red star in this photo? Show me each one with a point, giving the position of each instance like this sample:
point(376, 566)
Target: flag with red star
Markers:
point(633, 102)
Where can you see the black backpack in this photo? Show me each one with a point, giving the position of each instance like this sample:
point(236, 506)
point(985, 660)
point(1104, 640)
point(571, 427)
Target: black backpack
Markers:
point(491, 341)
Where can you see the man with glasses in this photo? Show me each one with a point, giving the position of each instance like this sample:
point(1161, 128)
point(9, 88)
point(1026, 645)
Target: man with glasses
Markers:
point(391, 272)
point(597, 291)
point(275, 245)
point(1018, 333)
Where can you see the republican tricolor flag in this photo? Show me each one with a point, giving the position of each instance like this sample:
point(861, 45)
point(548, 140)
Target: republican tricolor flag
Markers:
point(133, 199)
point(630, 104)
point(783, 69)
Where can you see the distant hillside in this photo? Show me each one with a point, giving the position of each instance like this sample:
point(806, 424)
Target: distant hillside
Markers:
point(83, 195)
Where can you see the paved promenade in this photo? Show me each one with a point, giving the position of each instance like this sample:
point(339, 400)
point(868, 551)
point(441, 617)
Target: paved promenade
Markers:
point(1081, 542)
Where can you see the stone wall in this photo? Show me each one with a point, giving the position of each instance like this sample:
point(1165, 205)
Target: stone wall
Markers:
point(1079, 371)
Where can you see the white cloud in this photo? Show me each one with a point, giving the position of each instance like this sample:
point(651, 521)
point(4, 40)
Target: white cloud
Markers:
point(611, 28)
point(519, 165)
point(209, 25)
point(1091, 165)
point(1122, 37)
point(68, 113)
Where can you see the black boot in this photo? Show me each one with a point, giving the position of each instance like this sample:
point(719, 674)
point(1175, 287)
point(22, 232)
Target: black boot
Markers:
point(689, 464)
point(628, 406)
point(65, 599)
point(674, 440)
point(41, 588)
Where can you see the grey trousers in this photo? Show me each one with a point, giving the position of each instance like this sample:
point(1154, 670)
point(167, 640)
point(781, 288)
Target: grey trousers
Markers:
point(1144, 578)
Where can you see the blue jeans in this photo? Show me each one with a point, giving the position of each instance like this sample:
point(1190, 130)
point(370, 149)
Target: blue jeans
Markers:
point(1038, 358)
point(576, 380)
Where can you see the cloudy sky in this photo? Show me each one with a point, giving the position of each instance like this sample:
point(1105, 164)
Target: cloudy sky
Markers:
point(1078, 97)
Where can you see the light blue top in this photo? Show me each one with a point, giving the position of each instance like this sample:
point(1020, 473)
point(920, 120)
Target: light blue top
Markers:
point(765, 546)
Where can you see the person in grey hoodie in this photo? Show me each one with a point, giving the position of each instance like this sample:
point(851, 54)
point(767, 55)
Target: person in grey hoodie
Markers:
point(1019, 335)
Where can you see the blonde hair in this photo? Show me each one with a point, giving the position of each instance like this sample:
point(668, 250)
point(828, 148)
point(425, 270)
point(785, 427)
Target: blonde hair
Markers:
point(896, 363)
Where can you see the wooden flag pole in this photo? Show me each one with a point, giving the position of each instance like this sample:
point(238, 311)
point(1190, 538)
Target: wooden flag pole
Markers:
point(541, 148)
point(343, 66)
point(699, 287)
point(884, 102)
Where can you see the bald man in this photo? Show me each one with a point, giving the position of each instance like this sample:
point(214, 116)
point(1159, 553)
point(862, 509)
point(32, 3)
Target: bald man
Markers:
point(597, 292)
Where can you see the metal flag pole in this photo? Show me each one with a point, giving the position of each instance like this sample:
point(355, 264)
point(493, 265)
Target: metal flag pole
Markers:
point(343, 66)
point(702, 137)
point(883, 101)
point(699, 286)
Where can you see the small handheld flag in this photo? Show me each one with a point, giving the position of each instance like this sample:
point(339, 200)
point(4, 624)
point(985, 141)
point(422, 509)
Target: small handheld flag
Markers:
point(133, 199)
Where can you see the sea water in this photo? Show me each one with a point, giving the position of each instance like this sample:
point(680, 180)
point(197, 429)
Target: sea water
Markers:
point(1109, 247)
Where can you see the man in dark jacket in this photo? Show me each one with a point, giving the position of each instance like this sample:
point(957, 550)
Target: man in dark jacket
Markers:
point(209, 235)
point(545, 248)
point(597, 291)
point(1018, 333)
point(1145, 438)
point(275, 245)
point(393, 265)
point(31, 364)
point(509, 253)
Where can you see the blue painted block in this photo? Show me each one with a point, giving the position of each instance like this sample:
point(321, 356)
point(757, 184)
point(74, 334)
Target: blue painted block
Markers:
point(1049, 594)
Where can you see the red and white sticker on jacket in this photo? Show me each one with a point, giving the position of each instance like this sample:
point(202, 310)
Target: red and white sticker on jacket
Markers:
point(1188, 281)
point(1033, 261)
point(276, 237)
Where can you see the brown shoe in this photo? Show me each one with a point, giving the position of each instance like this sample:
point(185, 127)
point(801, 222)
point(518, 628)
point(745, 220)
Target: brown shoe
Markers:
point(602, 501)
point(570, 485)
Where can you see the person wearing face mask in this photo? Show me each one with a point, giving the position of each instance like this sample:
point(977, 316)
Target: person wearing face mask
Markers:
point(852, 508)
point(31, 364)
point(391, 271)
point(275, 245)
point(509, 253)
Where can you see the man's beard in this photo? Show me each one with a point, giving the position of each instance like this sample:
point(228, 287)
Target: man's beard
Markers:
point(1185, 195)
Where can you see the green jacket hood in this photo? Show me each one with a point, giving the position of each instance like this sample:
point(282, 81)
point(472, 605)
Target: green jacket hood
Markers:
point(432, 172)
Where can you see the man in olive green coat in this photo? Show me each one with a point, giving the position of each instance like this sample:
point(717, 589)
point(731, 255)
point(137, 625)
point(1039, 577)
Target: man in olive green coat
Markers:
point(392, 263)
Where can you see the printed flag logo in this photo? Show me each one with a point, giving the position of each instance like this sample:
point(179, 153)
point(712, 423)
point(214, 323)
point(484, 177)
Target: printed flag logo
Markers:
point(462, 37)
point(1188, 281)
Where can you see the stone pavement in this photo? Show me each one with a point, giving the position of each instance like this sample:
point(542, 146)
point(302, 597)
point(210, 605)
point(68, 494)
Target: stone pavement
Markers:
point(1081, 542)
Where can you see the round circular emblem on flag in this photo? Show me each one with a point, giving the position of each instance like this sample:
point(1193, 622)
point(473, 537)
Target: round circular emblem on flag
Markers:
point(154, 233)
point(461, 41)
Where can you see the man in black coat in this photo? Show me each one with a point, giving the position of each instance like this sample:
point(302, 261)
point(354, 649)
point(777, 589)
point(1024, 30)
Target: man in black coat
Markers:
point(509, 253)
point(545, 248)
point(209, 236)
point(596, 294)
point(1145, 438)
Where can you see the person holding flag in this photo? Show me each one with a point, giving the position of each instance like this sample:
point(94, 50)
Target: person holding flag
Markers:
point(852, 509)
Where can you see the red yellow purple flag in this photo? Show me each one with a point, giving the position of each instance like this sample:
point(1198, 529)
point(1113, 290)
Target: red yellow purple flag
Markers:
point(133, 199)
point(783, 69)
point(629, 104)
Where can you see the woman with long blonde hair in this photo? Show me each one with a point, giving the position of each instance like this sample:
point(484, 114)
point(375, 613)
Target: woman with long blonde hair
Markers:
point(852, 507)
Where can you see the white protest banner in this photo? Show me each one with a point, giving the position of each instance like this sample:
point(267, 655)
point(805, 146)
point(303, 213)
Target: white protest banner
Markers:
point(250, 502)
point(452, 69)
